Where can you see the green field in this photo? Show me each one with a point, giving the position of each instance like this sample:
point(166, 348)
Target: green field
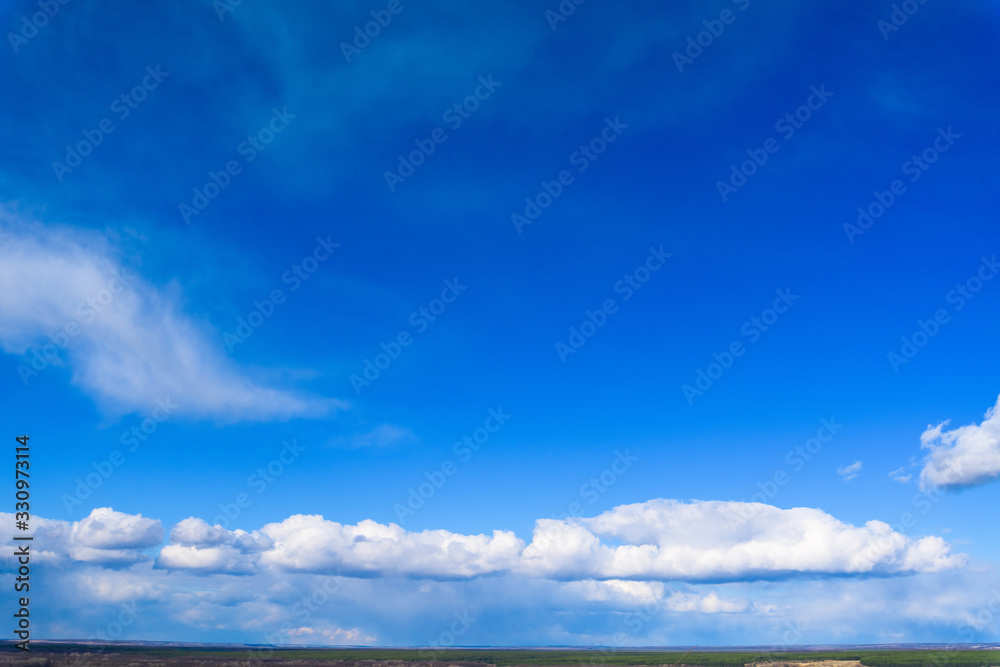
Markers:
point(702, 659)
point(507, 658)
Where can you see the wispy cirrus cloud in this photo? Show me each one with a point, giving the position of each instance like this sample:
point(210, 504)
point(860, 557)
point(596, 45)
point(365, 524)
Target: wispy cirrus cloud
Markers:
point(900, 475)
point(850, 471)
point(382, 436)
point(67, 302)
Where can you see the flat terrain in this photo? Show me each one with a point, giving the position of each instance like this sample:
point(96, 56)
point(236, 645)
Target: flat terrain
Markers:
point(817, 663)
point(160, 656)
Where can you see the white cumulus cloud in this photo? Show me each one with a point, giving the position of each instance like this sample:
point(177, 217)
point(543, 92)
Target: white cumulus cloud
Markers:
point(198, 547)
point(104, 537)
point(965, 456)
point(659, 540)
point(651, 564)
point(713, 540)
point(314, 544)
point(625, 550)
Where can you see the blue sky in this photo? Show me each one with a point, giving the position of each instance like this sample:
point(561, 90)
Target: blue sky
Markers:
point(620, 132)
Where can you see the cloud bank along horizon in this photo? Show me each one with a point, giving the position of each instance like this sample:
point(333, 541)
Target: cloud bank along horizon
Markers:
point(560, 324)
